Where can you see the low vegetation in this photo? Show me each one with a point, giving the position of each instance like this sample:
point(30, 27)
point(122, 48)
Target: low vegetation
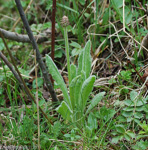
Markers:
point(98, 75)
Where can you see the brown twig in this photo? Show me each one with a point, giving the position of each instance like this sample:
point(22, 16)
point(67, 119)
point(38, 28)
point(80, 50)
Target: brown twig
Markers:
point(53, 29)
point(38, 55)
point(53, 33)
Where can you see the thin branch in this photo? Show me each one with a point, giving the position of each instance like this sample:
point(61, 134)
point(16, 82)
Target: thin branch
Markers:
point(38, 55)
point(53, 33)
point(53, 29)
point(22, 38)
point(18, 20)
point(21, 83)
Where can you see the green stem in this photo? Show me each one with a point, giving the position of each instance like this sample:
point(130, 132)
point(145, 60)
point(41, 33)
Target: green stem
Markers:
point(68, 63)
point(67, 53)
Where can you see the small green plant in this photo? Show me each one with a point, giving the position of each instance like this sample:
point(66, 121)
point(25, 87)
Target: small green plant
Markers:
point(121, 133)
point(73, 108)
point(126, 75)
point(134, 109)
point(73, 136)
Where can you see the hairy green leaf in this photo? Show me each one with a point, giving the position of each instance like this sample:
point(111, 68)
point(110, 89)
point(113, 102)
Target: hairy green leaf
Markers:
point(86, 90)
point(73, 71)
point(87, 59)
point(72, 91)
point(80, 63)
point(65, 111)
point(95, 101)
point(58, 78)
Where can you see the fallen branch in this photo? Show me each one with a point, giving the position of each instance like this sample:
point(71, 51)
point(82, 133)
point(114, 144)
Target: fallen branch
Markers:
point(22, 38)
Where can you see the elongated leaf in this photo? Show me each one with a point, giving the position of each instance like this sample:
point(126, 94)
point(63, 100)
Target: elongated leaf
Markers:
point(86, 90)
point(95, 101)
point(58, 78)
point(75, 90)
point(80, 63)
point(73, 71)
point(65, 111)
point(72, 91)
point(78, 88)
point(87, 59)
point(84, 61)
